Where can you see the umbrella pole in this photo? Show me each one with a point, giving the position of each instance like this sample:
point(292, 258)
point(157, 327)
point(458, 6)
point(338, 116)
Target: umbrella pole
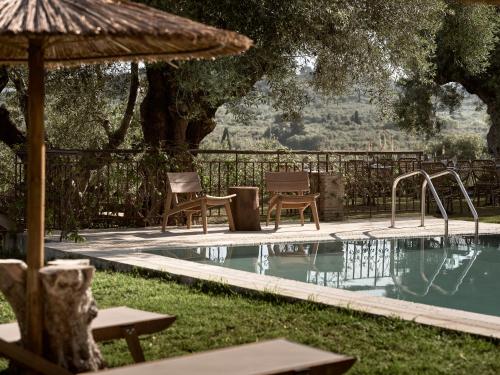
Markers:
point(36, 196)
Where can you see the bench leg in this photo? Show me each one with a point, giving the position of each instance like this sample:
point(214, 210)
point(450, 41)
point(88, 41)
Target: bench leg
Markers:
point(314, 210)
point(229, 214)
point(270, 208)
point(301, 212)
point(278, 216)
point(133, 343)
point(166, 209)
point(204, 220)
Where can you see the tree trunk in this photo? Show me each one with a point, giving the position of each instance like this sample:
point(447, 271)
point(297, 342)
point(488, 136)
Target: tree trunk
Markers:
point(485, 85)
point(9, 133)
point(493, 136)
point(164, 115)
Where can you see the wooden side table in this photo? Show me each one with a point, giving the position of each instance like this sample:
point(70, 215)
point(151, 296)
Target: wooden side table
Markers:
point(245, 207)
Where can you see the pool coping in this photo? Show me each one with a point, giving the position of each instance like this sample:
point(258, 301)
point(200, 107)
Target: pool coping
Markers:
point(129, 258)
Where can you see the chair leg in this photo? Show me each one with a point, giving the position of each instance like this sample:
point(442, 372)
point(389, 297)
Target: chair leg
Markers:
point(268, 218)
point(229, 214)
point(204, 221)
point(314, 210)
point(301, 212)
point(189, 219)
point(166, 210)
point(278, 216)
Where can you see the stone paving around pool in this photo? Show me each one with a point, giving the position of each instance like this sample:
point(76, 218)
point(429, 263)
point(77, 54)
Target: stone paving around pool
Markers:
point(122, 249)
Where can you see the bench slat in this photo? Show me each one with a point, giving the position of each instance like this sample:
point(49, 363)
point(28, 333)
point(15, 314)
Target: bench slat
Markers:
point(269, 357)
point(108, 324)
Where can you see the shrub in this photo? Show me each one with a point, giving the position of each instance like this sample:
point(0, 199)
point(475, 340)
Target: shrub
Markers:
point(466, 146)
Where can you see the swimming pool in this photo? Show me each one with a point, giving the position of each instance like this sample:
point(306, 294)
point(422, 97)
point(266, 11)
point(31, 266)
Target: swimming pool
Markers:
point(460, 273)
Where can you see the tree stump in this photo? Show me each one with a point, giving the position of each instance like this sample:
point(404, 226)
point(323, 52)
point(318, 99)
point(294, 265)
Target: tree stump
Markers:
point(245, 208)
point(69, 309)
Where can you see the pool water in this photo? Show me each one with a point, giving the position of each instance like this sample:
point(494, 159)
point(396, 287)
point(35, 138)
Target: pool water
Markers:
point(460, 273)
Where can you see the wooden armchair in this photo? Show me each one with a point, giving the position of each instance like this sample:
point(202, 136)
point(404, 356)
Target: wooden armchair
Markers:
point(288, 190)
point(188, 183)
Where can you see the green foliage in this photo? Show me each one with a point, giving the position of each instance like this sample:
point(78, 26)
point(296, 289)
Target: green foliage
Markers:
point(349, 41)
point(415, 108)
point(464, 146)
point(468, 36)
point(81, 105)
point(85, 103)
point(465, 49)
point(7, 172)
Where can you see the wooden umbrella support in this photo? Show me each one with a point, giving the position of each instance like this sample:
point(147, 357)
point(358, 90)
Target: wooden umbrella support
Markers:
point(68, 310)
point(36, 196)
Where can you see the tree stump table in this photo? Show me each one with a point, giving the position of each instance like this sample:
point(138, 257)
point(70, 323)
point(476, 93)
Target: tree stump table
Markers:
point(69, 308)
point(245, 208)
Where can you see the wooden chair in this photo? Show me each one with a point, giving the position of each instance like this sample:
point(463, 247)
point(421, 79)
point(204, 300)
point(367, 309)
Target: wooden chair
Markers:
point(267, 357)
point(110, 324)
point(188, 183)
point(288, 190)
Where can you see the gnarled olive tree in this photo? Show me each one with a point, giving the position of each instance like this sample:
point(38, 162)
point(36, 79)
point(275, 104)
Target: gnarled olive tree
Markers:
point(468, 53)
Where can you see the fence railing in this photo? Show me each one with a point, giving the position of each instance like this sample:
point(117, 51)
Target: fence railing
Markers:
point(93, 188)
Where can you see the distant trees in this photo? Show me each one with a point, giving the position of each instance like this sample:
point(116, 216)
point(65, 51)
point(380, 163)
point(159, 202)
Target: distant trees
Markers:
point(356, 118)
point(463, 146)
point(468, 53)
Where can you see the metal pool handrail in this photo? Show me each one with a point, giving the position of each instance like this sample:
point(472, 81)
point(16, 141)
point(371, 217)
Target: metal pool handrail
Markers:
point(460, 278)
point(430, 283)
point(433, 191)
point(462, 189)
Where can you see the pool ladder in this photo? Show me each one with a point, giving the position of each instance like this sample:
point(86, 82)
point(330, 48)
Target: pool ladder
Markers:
point(428, 182)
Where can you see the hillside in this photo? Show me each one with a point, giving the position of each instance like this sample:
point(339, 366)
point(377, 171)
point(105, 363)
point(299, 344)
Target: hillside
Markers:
point(333, 124)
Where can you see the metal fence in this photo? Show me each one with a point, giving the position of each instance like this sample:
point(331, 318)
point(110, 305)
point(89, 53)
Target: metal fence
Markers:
point(90, 188)
point(367, 175)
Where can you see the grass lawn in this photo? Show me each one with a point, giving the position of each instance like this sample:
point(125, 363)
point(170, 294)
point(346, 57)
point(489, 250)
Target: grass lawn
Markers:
point(211, 317)
point(486, 214)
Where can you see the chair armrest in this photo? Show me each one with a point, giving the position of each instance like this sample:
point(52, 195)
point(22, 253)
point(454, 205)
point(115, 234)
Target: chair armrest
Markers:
point(220, 198)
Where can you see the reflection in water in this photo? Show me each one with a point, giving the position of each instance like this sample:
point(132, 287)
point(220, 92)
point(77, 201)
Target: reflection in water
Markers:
point(459, 273)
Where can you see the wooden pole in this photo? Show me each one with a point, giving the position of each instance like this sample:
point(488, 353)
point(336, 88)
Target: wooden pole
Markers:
point(36, 197)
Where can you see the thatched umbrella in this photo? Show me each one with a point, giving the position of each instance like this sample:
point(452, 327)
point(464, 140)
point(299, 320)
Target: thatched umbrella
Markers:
point(51, 33)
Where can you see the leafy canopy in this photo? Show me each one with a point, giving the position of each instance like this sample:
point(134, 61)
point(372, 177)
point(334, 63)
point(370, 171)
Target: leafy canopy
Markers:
point(350, 41)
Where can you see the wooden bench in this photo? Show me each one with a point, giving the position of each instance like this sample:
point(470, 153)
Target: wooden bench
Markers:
point(110, 324)
point(268, 357)
point(264, 358)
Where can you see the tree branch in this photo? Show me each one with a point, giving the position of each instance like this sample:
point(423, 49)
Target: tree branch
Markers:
point(9, 133)
point(118, 136)
point(22, 92)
